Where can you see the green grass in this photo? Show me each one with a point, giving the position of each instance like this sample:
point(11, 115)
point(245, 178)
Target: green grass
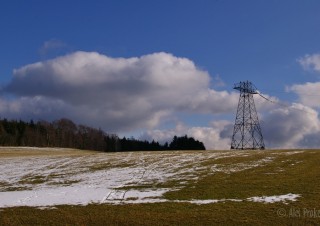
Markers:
point(294, 173)
point(273, 178)
point(229, 213)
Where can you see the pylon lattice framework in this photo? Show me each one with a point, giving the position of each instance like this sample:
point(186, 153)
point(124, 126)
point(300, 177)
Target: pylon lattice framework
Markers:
point(247, 132)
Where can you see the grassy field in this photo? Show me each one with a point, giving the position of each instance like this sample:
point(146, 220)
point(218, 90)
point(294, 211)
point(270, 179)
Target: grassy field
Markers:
point(197, 187)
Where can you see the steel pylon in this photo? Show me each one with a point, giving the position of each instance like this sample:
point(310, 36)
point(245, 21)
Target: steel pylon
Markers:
point(247, 132)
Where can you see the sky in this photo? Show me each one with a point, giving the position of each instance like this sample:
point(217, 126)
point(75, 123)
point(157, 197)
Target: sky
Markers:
point(154, 69)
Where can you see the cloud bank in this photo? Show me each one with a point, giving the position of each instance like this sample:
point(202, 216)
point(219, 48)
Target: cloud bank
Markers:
point(216, 136)
point(117, 94)
point(308, 93)
point(295, 126)
point(140, 93)
point(290, 127)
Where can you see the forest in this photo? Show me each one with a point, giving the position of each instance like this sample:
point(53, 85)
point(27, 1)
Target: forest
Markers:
point(65, 133)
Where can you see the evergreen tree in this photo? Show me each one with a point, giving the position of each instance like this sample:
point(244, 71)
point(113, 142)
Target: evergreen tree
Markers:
point(65, 133)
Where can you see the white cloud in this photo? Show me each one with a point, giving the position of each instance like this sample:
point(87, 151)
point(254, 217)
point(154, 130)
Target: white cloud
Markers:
point(310, 62)
point(215, 137)
point(308, 93)
point(134, 94)
point(289, 127)
point(218, 82)
point(51, 45)
point(116, 94)
point(38, 107)
point(295, 126)
point(266, 103)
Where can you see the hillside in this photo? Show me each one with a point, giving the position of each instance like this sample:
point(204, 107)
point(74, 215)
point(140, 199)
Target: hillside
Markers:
point(189, 187)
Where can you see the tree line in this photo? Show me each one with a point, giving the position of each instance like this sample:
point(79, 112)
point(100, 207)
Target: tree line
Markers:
point(65, 133)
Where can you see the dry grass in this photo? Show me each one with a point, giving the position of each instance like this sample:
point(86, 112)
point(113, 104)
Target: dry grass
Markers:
point(9, 152)
point(237, 177)
point(228, 213)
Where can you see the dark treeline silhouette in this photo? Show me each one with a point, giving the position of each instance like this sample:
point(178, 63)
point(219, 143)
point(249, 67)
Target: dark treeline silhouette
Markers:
point(60, 133)
point(65, 133)
point(186, 143)
point(178, 143)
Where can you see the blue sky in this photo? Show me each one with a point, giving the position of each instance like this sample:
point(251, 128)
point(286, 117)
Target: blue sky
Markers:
point(272, 43)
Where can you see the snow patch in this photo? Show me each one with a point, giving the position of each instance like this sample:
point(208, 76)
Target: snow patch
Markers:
point(273, 199)
point(113, 178)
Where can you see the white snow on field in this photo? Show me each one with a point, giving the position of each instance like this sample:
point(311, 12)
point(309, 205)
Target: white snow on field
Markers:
point(241, 166)
point(114, 178)
point(272, 199)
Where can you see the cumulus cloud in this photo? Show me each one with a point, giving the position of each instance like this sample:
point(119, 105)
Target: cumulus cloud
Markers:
point(27, 108)
point(295, 126)
point(139, 93)
point(311, 140)
point(308, 93)
point(298, 125)
point(218, 82)
point(117, 94)
point(290, 127)
point(310, 62)
point(215, 137)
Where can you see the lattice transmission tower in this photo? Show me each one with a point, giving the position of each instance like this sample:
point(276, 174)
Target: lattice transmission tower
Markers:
point(247, 132)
